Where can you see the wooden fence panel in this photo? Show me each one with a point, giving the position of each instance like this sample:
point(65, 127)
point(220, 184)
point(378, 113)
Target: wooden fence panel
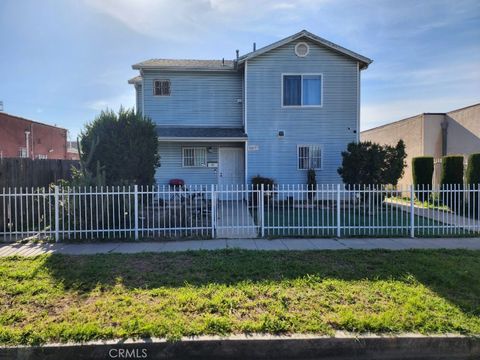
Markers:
point(22, 172)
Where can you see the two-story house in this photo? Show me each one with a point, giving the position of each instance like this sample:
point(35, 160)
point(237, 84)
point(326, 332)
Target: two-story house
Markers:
point(276, 112)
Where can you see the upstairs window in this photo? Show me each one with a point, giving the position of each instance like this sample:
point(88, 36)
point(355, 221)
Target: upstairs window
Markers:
point(302, 90)
point(309, 157)
point(161, 87)
point(194, 157)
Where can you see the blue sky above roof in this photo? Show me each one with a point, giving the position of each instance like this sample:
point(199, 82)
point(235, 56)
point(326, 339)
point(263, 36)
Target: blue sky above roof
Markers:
point(61, 62)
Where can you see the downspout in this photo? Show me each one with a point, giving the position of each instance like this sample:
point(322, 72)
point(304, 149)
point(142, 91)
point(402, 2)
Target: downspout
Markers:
point(27, 142)
point(444, 136)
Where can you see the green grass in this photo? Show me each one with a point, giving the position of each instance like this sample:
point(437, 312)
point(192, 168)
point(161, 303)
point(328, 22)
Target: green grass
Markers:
point(78, 298)
point(301, 222)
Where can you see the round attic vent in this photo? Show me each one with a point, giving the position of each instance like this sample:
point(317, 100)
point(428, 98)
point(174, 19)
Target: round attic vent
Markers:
point(302, 49)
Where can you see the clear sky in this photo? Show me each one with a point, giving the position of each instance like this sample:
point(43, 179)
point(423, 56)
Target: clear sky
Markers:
point(62, 61)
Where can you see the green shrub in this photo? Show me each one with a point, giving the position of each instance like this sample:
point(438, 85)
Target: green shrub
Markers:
point(452, 176)
point(121, 148)
point(472, 177)
point(422, 174)
point(367, 163)
point(452, 170)
point(258, 180)
point(268, 187)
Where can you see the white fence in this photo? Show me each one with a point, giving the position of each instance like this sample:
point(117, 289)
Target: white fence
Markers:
point(237, 212)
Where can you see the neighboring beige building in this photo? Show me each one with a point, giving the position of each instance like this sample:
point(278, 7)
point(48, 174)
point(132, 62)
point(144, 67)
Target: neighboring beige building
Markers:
point(432, 134)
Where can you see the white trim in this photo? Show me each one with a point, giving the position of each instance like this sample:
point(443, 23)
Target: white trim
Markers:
point(245, 162)
point(301, 97)
point(358, 103)
point(143, 93)
point(169, 87)
point(245, 101)
point(194, 149)
point(321, 155)
point(178, 139)
point(302, 43)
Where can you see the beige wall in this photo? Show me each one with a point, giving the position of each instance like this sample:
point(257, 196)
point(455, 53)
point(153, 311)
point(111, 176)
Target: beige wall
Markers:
point(464, 131)
point(432, 139)
point(409, 130)
point(422, 135)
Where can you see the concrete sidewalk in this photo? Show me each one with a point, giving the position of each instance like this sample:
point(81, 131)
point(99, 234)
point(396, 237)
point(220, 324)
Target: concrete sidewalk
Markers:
point(249, 244)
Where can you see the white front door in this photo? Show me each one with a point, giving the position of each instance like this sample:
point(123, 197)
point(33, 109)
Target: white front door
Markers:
point(231, 167)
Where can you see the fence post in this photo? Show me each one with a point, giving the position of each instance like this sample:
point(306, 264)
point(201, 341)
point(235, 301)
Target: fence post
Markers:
point(338, 211)
point(57, 215)
point(262, 211)
point(214, 209)
point(135, 210)
point(412, 212)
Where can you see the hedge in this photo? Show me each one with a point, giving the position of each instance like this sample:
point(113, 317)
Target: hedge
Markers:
point(452, 170)
point(422, 174)
point(473, 169)
point(473, 180)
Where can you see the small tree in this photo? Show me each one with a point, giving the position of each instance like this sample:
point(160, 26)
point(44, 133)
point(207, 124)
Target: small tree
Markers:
point(422, 175)
point(367, 163)
point(362, 164)
point(472, 178)
point(394, 163)
point(123, 146)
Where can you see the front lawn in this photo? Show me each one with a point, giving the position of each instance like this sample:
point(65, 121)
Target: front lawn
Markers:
point(380, 222)
point(77, 298)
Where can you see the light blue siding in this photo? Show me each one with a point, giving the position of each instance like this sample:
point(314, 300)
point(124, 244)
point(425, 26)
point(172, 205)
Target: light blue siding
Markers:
point(332, 126)
point(197, 99)
point(171, 163)
point(138, 97)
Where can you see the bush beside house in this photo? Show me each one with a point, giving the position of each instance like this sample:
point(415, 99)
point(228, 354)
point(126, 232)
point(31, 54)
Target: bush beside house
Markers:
point(367, 163)
point(121, 146)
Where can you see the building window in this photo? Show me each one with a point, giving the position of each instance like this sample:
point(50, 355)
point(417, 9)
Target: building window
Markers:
point(161, 87)
point(302, 90)
point(309, 157)
point(42, 157)
point(194, 157)
point(22, 152)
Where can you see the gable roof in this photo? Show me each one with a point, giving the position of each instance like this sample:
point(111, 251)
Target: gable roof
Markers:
point(135, 80)
point(186, 64)
point(364, 61)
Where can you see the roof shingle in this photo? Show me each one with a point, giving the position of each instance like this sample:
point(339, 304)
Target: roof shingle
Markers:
point(186, 64)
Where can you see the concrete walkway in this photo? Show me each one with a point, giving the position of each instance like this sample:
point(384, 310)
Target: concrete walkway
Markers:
point(249, 244)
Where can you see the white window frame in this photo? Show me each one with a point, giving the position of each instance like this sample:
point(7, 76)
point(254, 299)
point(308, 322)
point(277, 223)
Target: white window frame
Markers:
point(22, 152)
point(301, 106)
point(169, 87)
point(194, 148)
point(42, 157)
point(310, 145)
